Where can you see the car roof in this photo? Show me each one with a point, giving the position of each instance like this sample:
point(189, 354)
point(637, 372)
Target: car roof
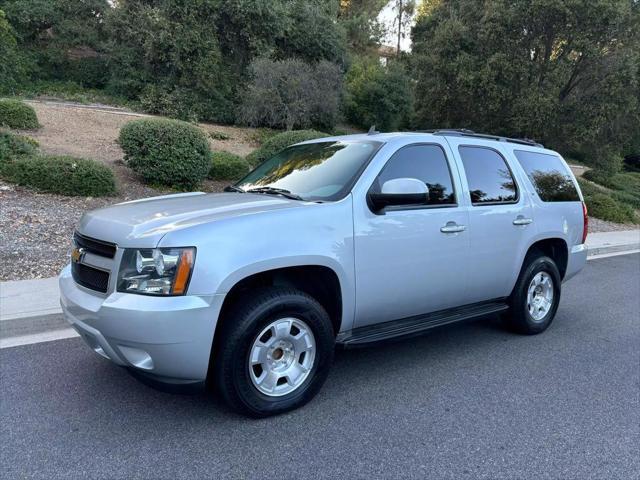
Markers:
point(481, 139)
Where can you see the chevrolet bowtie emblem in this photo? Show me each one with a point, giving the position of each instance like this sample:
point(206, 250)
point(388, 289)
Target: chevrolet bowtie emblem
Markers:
point(77, 254)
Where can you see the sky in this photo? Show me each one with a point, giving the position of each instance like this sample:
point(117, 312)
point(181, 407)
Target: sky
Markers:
point(387, 17)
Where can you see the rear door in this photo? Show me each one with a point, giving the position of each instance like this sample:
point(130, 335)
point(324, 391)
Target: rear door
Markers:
point(500, 218)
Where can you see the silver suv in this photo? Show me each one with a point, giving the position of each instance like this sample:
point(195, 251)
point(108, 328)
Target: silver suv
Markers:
point(347, 240)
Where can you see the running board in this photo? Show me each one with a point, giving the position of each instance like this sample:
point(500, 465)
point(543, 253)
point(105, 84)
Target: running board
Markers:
point(414, 325)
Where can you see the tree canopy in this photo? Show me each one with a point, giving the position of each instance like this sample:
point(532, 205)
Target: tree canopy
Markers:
point(561, 71)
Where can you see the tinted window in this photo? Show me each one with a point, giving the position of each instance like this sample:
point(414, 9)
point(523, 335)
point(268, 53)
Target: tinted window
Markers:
point(488, 176)
point(424, 162)
point(315, 171)
point(549, 176)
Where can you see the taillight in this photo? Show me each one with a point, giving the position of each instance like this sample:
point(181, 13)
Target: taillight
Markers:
point(585, 228)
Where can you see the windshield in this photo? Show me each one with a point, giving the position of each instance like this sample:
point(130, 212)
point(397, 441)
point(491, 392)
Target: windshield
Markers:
point(315, 171)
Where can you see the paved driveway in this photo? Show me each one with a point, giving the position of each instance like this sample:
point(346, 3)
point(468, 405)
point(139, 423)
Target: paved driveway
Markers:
point(468, 401)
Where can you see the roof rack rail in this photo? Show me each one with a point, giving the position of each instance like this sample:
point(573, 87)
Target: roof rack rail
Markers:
point(464, 132)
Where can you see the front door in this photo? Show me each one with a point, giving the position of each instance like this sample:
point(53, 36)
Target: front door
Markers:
point(411, 260)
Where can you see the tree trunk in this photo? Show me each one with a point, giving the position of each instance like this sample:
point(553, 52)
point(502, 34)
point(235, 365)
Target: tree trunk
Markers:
point(400, 8)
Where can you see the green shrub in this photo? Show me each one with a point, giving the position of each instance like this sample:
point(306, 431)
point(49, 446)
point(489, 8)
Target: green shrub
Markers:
point(261, 135)
point(12, 146)
point(15, 114)
point(166, 152)
point(227, 166)
point(604, 207)
point(60, 174)
point(625, 186)
point(279, 142)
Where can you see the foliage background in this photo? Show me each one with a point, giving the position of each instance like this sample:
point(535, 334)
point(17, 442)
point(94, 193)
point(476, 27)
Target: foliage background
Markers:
point(565, 72)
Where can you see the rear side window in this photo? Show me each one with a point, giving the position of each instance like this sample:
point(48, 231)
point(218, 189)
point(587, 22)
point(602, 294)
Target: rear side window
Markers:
point(424, 162)
point(549, 176)
point(488, 176)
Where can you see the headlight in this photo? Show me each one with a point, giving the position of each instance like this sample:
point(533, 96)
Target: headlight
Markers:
point(157, 271)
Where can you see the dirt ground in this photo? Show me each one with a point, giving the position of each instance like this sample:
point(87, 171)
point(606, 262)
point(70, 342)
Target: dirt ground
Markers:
point(92, 130)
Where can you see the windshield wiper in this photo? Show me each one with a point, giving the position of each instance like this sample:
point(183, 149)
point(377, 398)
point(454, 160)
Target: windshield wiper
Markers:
point(233, 188)
point(276, 191)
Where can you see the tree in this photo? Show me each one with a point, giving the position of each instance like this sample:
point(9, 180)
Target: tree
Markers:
point(404, 15)
point(377, 95)
point(360, 21)
point(12, 69)
point(167, 54)
point(561, 71)
point(50, 32)
point(292, 94)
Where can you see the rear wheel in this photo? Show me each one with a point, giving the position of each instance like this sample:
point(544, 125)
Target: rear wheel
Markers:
point(274, 352)
point(536, 296)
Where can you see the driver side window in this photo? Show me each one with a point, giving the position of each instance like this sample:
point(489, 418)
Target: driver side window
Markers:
point(427, 163)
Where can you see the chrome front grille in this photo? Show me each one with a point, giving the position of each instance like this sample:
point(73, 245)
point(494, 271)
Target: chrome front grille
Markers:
point(97, 247)
point(92, 262)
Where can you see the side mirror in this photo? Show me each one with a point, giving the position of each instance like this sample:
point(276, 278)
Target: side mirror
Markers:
point(400, 191)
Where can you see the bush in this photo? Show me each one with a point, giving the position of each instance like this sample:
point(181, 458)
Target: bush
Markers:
point(604, 207)
point(279, 142)
point(227, 166)
point(15, 114)
point(12, 146)
point(377, 95)
point(292, 94)
point(60, 174)
point(625, 186)
point(166, 152)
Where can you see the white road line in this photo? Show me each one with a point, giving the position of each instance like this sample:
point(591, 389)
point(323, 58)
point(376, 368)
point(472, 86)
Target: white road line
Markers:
point(38, 338)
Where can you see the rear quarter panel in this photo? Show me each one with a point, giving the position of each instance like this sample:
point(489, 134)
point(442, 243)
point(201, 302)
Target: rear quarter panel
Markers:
point(562, 220)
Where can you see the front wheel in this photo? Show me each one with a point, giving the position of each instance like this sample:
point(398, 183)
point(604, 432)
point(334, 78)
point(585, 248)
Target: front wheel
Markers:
point(536, 296)
point(274, 353)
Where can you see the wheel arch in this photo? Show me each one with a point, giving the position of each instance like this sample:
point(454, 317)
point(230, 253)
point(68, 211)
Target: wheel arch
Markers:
point(553, 247)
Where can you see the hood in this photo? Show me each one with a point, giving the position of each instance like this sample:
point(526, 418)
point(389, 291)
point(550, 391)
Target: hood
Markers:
point(142, 223)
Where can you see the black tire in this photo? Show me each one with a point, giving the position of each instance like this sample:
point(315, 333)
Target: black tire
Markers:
point(518, 317)
point(244, 321)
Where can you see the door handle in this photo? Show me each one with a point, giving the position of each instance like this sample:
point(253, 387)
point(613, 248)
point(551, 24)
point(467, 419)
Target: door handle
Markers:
point(453, 227)
point(520, 220)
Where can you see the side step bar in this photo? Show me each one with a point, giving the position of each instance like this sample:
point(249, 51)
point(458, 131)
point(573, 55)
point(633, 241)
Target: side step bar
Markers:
point(413, 325)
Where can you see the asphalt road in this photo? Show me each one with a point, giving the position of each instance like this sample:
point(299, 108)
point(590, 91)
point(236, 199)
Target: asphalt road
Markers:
point(467, 401)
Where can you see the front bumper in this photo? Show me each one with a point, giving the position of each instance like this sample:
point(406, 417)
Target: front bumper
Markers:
point(167, 339)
